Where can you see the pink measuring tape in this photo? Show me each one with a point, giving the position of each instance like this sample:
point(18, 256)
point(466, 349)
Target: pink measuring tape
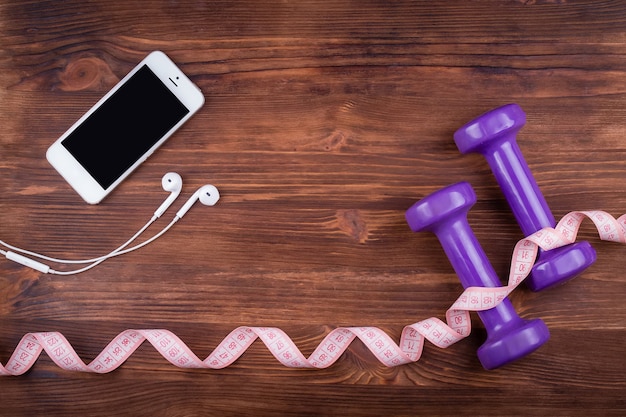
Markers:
point(382, 346)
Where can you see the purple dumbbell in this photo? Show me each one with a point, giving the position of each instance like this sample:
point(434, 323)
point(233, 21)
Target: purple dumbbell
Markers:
point(493, 136)
point(445, 213)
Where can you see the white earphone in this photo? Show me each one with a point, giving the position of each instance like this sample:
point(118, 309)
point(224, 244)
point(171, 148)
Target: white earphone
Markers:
point(172, 182)
point(207, 194)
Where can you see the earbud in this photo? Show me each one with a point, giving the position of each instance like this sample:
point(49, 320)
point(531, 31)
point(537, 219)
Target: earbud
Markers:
point(207, 194)
point(173, 183)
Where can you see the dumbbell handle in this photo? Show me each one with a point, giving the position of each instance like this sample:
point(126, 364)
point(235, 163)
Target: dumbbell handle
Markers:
point(518, 185)
point(471, 265)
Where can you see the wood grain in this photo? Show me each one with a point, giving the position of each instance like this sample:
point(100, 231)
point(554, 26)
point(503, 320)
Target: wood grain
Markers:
point(324, 121)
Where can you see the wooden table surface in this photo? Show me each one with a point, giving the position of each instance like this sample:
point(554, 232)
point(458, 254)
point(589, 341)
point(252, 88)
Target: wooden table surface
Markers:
point(324, 121)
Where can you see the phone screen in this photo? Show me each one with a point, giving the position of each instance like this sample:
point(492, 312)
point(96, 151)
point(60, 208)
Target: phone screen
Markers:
point(125, 127)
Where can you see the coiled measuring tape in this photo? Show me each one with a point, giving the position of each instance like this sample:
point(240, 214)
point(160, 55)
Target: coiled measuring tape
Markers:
point(441, 334)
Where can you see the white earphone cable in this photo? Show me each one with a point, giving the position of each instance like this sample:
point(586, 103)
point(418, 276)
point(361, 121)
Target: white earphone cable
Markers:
point(120, 250)
point(207, 195)
point(75, 261)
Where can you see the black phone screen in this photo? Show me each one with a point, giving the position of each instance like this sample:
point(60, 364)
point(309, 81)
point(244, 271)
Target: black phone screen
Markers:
point(125, 127)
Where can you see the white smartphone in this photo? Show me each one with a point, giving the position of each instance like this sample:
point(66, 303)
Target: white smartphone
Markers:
point(125, 127)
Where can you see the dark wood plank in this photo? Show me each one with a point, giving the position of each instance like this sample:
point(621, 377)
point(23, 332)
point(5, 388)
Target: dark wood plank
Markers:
point(324, 122)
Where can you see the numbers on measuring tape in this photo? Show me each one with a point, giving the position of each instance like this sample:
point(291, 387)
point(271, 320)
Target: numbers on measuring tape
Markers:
point(441, 334)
